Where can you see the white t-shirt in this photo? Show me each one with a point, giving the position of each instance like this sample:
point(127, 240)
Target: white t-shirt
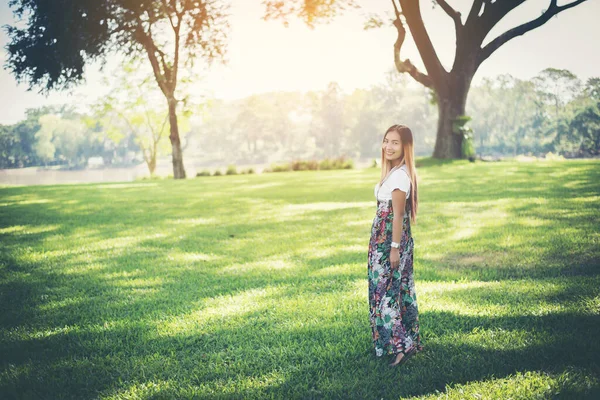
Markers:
point(398, 179)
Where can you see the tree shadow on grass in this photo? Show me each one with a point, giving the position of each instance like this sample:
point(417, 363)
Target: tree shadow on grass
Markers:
point(328, 359)
point(195, 281)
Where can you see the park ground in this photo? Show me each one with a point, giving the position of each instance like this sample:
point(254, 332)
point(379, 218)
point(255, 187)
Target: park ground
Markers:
point(255, 286)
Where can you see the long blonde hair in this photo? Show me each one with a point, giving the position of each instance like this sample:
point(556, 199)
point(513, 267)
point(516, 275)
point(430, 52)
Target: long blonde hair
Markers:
point(408, 158)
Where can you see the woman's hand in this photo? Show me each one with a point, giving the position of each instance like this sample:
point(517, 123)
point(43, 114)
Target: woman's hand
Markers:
point(395, 258)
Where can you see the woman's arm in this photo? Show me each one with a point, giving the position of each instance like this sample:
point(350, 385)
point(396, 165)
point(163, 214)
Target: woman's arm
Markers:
point(398, 201)
point(398, 204)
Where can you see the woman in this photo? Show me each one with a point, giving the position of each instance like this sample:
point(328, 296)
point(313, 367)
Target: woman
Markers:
point(392, 298)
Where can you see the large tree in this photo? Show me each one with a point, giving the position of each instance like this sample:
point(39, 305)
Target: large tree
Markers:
point(451, 87)
point(60, 37)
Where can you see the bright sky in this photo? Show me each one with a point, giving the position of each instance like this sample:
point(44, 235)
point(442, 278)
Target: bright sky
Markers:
point(266, 56)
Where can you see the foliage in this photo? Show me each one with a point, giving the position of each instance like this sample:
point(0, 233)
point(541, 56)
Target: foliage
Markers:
point(310, 12)
point(584, 129)
point(337, 163)
point(231, 170)
point(279, 168)
point(467, 147)
point(51, 54)
point(18, 142)
point(554, 157)
point(312, 165)
point(459, 127)
point(512, 116)
point(266, 128)
point(204, 172)
point(304, 165)
point(329, 126)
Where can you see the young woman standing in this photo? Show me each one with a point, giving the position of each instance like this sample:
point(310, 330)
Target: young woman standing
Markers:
point(393, 310)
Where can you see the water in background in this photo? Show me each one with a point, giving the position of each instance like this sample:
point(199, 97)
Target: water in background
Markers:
point(52, 176)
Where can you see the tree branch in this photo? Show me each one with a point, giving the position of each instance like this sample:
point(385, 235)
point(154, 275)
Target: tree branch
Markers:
point(176, 30)
point(474, 13)
point(167, 71)
point(491, 15)
point(148, 44)
point(168, 12)
point(406, 65)
point(455, 15)
point(552, 10)
point(144, 106)
point(412, 12)
point(162, 128)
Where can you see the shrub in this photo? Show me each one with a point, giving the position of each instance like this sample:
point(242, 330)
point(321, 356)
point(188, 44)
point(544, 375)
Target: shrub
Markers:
point(217, 173)
point(325, 164)
point(337, 163)
point(467, 148)
point(342, 163)
point(204, 172)
point(304, 165)
point(231, 170)
point(281, 167)
point(555, 157)
point(312, 165)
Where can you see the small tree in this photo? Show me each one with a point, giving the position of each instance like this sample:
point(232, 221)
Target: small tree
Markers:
point(132, 106)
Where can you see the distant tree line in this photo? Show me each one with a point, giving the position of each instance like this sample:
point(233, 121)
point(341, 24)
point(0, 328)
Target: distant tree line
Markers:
point(553, 112)
point(57, 135)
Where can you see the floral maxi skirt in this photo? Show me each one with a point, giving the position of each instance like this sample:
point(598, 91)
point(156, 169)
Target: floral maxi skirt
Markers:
point(393, 311)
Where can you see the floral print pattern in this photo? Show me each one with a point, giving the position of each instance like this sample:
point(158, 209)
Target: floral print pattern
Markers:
point(393, 310)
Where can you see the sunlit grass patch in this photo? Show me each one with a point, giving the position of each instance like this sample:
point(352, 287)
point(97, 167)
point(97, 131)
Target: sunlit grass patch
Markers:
point(568, 384)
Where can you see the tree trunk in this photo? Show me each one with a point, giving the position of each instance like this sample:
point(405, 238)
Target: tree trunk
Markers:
point(450, 106)
point(447, 143)
point(152, 164)
point(178, 170)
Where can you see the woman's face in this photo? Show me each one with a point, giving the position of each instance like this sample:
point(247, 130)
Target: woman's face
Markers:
point(392, 146)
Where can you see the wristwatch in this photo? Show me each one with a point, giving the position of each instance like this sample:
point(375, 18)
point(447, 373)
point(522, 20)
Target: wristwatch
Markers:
point(395, 245)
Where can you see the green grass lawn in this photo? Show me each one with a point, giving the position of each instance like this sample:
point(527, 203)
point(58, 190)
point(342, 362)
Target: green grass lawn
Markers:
point(255, 286)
